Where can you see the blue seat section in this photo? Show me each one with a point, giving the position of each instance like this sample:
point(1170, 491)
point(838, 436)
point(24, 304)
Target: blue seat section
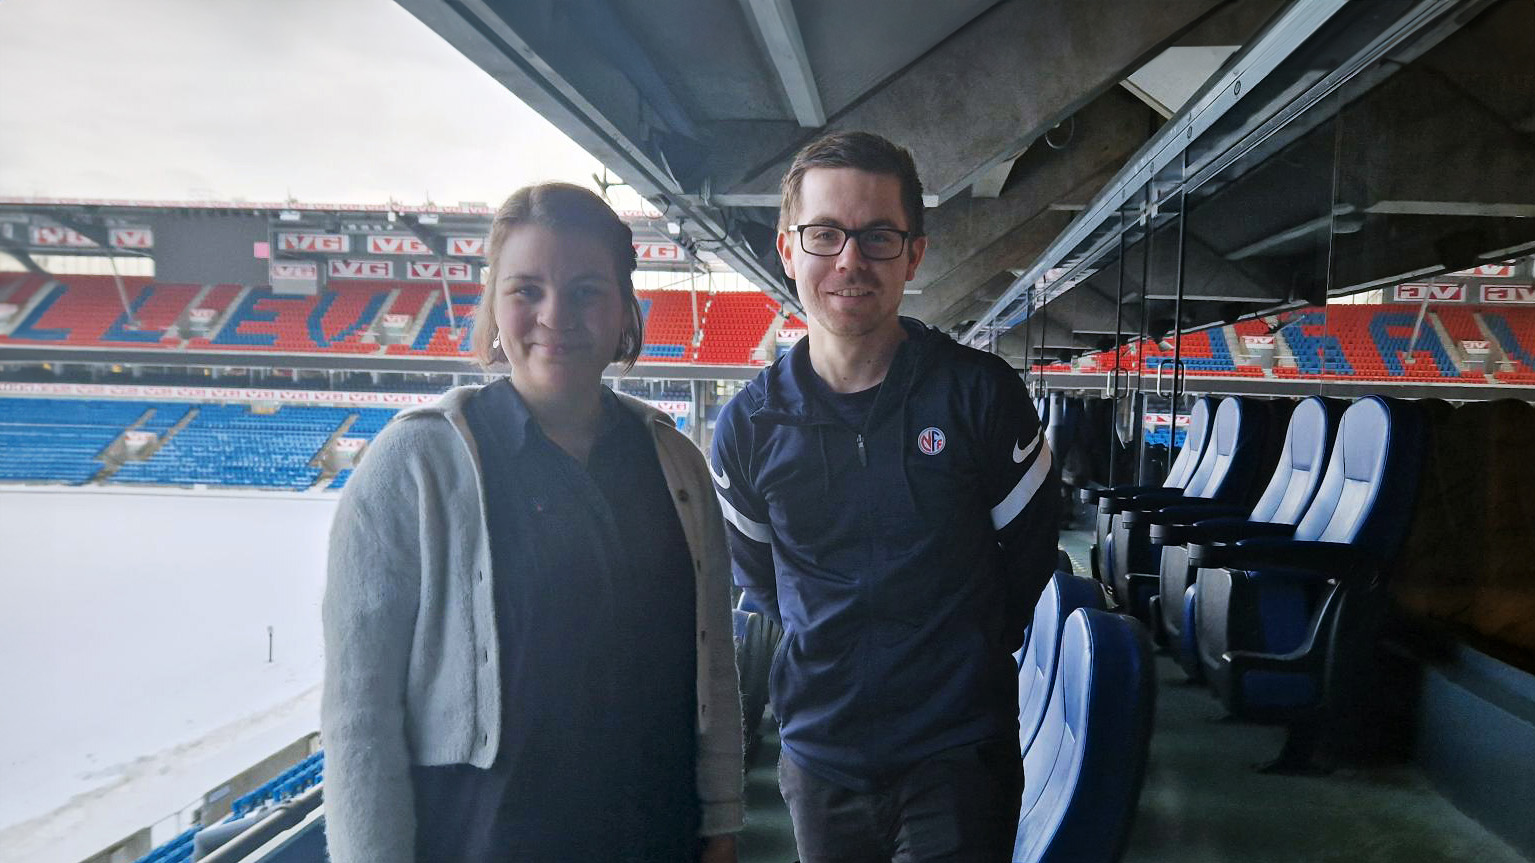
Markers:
point(1162, 437)
point(290, 783)
point(370, 421)
point(663, 351)
point(339, 480)
point(1219, 360)
point(1296, 476)
point(58, 440)
point(1223, 477)
point(27, 328)
point(230, 445)
point(1178, 476)
point(1391, 347)
point(1084, 769)
point(1036, 667)
point(1312, 353)
point(177, 850)
point(166, 415)
point(1276, 617)
point(1508, 340)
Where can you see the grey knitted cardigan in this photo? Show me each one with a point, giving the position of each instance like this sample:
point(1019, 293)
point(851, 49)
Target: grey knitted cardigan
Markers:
point(411, 664)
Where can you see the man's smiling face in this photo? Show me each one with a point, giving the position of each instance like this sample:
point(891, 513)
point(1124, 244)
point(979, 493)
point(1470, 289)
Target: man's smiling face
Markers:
point(847, 295)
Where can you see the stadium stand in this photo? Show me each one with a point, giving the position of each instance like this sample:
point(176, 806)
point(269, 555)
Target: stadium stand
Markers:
point(734, 326)
point(291, 782)
point(19, 288)
point(344, 316)
point(81, 312)
point(59, 440)
point(177, 850)
point(267, 321)
point(233, 445)
point(668, 327)
point(1316, 349)
point(1514, 330)
point(1364, 342)
point(436, 335)
point(215, 305)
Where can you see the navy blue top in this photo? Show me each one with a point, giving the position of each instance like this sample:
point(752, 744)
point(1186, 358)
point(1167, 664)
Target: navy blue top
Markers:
point(595, 613)
point(902, 544)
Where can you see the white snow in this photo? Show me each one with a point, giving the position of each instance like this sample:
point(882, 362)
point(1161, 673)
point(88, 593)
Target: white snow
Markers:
point(133, 653)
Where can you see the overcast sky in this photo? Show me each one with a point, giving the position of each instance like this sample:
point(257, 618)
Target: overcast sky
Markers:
point(322, 100)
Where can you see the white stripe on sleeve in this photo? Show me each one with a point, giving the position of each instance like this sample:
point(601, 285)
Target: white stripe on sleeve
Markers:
point(750, 529)
point(1003, 513)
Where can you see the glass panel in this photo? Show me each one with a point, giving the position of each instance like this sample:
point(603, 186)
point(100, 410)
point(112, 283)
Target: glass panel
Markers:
point(1435, 201)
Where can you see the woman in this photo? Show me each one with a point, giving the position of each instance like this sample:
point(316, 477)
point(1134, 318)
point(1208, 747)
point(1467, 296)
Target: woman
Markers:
point(527, 626)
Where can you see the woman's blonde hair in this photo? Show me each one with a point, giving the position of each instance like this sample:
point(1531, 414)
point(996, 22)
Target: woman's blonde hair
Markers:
point(559, 207)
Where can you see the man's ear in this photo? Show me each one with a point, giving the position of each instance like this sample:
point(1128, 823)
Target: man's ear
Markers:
point(914, 257)
point(786, 252)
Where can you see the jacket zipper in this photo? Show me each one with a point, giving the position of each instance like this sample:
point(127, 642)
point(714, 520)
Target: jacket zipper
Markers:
point(863, 455)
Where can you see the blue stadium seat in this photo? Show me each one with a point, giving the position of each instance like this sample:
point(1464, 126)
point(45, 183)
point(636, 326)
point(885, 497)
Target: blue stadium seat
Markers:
point(1296, 477)
point(291, 782)
point(177, 850)
point(1223, 477)
point(59, 440)
point(1040, 657)
point(1084, 769)
point(756, 640)
point(1281, 620)
point(1183, 467)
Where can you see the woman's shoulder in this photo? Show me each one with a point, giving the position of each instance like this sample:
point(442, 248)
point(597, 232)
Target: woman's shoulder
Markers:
point(413, 432)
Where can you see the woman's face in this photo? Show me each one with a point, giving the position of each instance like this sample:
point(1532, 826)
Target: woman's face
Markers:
point(559, 310)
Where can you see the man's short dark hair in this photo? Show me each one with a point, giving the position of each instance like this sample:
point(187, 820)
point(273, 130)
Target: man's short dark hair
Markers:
point(864, 151)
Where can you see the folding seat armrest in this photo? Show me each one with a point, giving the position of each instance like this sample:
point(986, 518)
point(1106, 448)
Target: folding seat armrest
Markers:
point(1147, 499)
point(1217, 530)
point(1182, 513)
point(1093, 495)
point(1327, 559)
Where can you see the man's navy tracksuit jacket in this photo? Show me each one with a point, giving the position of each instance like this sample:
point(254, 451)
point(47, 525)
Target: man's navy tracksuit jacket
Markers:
point(903, 558)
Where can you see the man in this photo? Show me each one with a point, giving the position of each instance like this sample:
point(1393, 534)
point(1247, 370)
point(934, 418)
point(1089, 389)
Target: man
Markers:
point(892, 503)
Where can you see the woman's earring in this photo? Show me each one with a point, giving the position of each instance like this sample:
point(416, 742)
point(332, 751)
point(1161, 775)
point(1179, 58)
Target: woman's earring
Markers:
point(495, 343)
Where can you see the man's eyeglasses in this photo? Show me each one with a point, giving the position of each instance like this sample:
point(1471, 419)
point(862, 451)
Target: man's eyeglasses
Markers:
point(828, 241)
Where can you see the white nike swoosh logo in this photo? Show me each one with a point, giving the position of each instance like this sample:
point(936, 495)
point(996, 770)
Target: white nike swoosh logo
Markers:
point(719, 477)
point(1019, 453)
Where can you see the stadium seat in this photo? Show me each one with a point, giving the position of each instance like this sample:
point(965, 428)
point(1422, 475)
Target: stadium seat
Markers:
point(1039, 660)
point(1177, 477)
point(1283, 621)
point(756, 640)
point(1224, 475)
point(1294, 481)
point(1084, 769)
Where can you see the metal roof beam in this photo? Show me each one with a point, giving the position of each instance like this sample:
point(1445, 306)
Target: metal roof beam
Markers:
point(786, 51)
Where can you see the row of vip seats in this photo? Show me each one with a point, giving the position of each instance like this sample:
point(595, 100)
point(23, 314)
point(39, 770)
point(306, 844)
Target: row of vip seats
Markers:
point(1086, 700)
point(1276, 592)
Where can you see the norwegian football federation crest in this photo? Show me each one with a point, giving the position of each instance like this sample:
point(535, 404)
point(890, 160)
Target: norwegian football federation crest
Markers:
point(930, 441)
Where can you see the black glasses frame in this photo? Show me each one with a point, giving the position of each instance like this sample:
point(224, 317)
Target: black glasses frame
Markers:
point(854, 234)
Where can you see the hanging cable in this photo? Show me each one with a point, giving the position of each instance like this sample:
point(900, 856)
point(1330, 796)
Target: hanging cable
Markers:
point(447, 298)
point(122, 291)
point(1119, 311)
point(1140, 359)
point(1183, 217)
